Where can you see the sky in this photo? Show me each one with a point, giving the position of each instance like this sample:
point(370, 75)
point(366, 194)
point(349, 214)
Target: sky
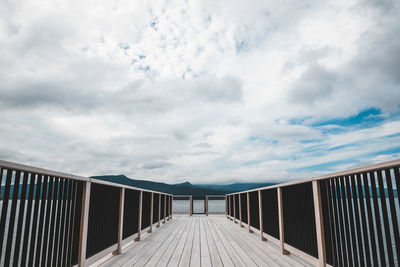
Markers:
point(200, 91)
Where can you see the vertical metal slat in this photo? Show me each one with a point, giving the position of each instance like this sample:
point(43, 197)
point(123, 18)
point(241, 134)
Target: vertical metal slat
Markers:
point(385, 219)
point(393, 212)
point(38, 192)
point(11, 225)
point(4, 210)
point(356, 198)
point(29, 209)
point(21, 219)
point(370, 220)
point(41, 221)
point(377, 219)
point(47, 219)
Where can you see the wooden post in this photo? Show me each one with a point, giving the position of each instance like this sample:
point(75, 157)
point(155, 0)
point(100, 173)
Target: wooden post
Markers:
point(206, 205)
point(260, 204)
point(140, 215)
point(170, 206)
point(226, 207)
point(84, 224)
point(191, 205)
point(120, 219)
point(172, 201)
point(319, 223)
point(230, 208)
point(165, 208)
point(167, 215)
point(240, 210)
point(234, 208)
point(281, 226)
point(151, 213)
point(248, 212)
point(159, 210)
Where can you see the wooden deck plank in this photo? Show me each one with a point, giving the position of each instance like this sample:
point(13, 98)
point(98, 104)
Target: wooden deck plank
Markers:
point(156, 257)
point(237, 260)
point(155, 246)
point(212, 247)
point(133, 257)
point(187, 251)
point(245, 238)
point(195, 259)
point(222, 252)
point(202, 241)
point(177, 253)
point(169, 251)
point(247, 250)
point(204, 250)
point(268, 248)
point(248, 261)
point(136, 247)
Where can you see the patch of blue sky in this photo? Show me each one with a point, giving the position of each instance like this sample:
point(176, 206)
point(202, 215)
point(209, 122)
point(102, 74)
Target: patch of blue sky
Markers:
point(364, 119)
point(367, 118)
point(389, 151)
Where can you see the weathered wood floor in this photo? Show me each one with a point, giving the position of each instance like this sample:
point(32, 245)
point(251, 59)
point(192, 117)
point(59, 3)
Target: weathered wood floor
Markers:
point(202, 241)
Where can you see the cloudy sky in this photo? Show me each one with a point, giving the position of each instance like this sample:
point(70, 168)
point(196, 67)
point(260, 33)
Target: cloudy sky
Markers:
point(201, 91)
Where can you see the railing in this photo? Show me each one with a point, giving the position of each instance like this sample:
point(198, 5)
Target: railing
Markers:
point(187, 204)
point(56, 219)
point(348, 218)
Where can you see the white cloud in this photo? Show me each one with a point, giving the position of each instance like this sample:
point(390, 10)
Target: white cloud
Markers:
point(198, 90)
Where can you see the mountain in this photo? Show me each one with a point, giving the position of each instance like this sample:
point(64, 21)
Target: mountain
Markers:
point(185, 188)
point(237, 187)
point(175, 189)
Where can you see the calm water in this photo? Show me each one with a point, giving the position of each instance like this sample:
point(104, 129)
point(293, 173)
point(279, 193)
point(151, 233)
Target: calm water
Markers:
point(214, 206)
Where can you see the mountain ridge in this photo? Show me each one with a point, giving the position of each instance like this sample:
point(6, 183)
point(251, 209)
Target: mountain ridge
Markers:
point(185, 188)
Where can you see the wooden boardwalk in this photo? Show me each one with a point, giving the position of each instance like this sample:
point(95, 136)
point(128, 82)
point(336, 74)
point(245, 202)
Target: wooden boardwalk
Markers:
point(202, 241)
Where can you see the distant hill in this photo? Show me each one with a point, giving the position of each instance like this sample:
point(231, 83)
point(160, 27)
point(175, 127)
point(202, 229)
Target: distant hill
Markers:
point(236, 187)
point(181, 188)
point(175, 189)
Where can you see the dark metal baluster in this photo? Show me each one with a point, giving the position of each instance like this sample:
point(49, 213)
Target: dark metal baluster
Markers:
point(41, 221)
point(75, 223)
point(11, 222)
point(63, 219)
point(49, 201)
point(350, 199)
point(28, 219)
point(340, 223)
point(38, 193)
point(56, 222)
point(71, 223)
point(356, 198)
point(385, 219)
point(346, 221)
point(370, 220)
point(364, 219)
point(21, 218)
point(4, 210)
point(397, 178)
point(393, 213)
point(377, 219)
point(60, 219)
point(336, 245)
point(53, 199)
